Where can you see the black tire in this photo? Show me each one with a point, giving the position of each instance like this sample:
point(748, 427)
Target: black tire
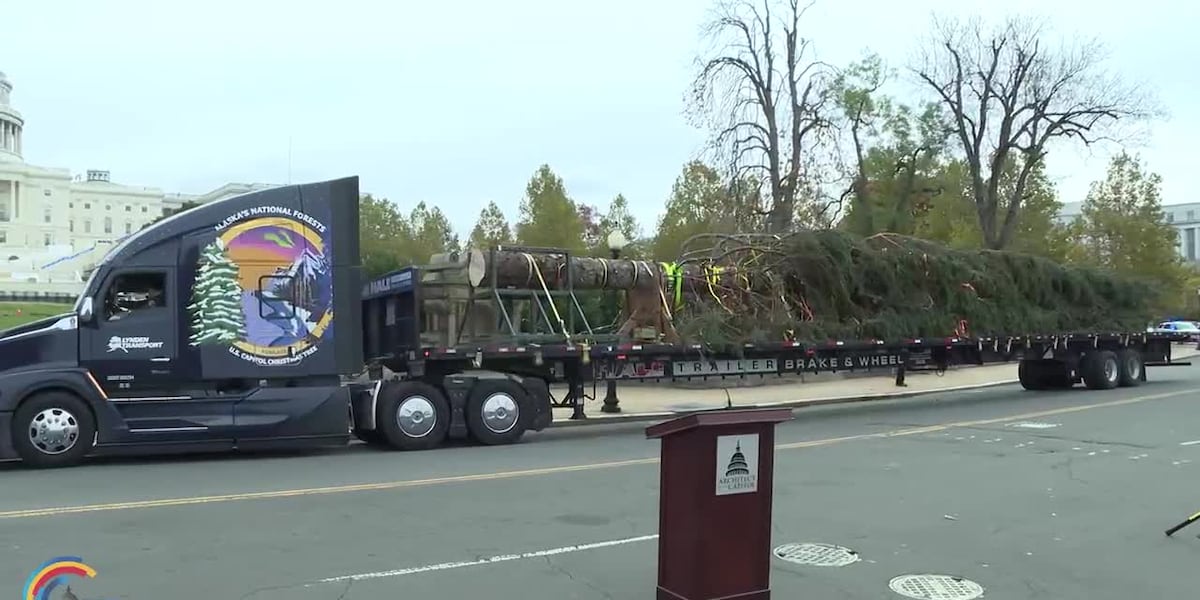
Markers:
point(412, 415)
point(498, 412)
point(1039, 375)
point(1101, 370)
point(1030, 376)
point(63, 425)
point(1132, 367)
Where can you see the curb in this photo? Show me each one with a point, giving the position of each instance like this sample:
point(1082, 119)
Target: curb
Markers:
point(795, 404)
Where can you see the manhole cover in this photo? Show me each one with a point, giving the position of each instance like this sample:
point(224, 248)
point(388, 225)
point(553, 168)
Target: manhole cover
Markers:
point(818, 555)
point(936, 587)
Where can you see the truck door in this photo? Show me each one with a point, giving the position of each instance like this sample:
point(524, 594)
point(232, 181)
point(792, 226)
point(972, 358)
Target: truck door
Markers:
point(131, 347)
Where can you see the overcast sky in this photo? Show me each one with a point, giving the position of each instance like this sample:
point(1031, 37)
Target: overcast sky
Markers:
point(458, 104)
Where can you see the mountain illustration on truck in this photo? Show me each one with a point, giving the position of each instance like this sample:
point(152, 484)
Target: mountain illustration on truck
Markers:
point(294, 299)
point(266, 287)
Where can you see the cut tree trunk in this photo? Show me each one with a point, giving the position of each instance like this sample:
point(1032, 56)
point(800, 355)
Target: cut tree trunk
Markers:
point(519, 270)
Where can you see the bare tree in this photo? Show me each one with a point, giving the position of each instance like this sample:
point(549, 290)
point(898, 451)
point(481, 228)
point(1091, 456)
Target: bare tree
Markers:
point(766, 99)
point(1009, 97)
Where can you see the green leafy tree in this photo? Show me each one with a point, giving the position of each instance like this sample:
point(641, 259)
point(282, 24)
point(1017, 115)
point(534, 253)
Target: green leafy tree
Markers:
point(548, 216)
point(1122, 226)
point(491, 229)
point(898, 152)
point(216, 307)
point(431, 233)
point(700, 202)
point(951, 216)
point(383, 231)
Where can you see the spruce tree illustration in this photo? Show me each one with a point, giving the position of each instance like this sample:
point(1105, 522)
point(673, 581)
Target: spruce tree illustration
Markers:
point(216, 306)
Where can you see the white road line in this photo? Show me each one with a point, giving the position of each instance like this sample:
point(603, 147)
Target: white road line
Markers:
point(1191, 443)
point(490, 560)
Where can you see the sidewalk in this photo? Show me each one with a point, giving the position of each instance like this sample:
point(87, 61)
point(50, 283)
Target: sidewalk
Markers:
point(653, 401)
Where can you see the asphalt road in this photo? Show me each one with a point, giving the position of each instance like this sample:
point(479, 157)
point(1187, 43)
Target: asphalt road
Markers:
point(1031, 495)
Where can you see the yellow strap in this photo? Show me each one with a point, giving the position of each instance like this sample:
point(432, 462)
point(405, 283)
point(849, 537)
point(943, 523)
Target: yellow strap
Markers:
point(714, 278)
point(545, 288)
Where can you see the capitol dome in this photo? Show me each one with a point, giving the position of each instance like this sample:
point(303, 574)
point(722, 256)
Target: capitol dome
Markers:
point(11, 123)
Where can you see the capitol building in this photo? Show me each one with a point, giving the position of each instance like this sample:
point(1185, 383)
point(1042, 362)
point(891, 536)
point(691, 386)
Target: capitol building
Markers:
point(55, 225)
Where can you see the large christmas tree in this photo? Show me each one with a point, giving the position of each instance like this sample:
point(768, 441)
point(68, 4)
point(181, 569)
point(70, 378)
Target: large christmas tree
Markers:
point(216, 307)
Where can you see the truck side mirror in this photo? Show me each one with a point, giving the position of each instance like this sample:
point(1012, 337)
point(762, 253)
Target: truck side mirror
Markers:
point(87, 310)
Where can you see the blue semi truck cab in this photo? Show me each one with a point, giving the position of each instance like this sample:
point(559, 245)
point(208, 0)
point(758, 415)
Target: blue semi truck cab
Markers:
point(238, 325)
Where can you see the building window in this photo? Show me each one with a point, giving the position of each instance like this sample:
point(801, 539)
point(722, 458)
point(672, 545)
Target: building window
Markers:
point(47, 239)
point(71, 225)
point(128, 227)
point(107, 207)
point(128, 208)
point(107, 224)
point(87, 205)
point(1189, 244)
point(70, 205)
point(3, 237)
point(87, 225)
point(46, 192)
point(46, 214)
point(1170, 217)
point(143, 209)
point(3, 212)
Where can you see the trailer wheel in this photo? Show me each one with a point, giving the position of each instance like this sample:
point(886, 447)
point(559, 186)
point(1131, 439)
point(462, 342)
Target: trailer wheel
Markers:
point(1132, 367)
point(495, 411)
point(1030, 376)
point(1101, 370)
point(1038, 375)
point(53, 429)
point(413, 415)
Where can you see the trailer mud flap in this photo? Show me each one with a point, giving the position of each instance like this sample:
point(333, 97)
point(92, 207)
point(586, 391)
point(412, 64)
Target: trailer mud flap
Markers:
point(539, 396)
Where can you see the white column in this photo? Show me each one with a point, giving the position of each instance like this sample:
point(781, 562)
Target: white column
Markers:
point(13, 190)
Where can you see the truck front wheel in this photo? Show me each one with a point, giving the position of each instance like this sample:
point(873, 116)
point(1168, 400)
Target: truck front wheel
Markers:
point(53, 429)
point(413, 415)
point(495, 411)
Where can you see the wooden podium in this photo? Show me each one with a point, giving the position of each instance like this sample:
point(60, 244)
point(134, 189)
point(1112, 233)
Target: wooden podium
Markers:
point(714, 511)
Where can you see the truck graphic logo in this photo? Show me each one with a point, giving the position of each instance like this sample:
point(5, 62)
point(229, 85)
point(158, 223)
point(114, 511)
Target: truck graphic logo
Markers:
point(264, 288)
point(125, 344)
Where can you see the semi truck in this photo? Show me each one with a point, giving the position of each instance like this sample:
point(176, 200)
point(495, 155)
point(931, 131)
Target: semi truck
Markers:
point(246, 324)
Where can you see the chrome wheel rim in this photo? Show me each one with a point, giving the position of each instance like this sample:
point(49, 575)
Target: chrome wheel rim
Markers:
point(1134, 367)
point(54, 431)
point(416, 417)
point(1110, 370)
point(500, 413)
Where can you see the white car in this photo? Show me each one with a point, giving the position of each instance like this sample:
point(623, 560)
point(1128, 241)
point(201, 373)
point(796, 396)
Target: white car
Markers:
point(1188, 327)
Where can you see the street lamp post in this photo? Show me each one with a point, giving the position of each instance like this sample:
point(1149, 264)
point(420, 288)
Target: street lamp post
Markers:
point(616, 242)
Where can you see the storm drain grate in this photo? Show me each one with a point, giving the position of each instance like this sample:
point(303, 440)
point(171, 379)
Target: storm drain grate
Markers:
point(817, 555)
point(936, 587)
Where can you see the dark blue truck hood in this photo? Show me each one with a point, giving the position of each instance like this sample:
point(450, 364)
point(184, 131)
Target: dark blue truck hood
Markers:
point(49, 342)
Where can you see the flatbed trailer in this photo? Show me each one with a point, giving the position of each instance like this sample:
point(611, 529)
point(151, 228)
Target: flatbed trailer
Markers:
point(215, 330)
point(457, 382)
